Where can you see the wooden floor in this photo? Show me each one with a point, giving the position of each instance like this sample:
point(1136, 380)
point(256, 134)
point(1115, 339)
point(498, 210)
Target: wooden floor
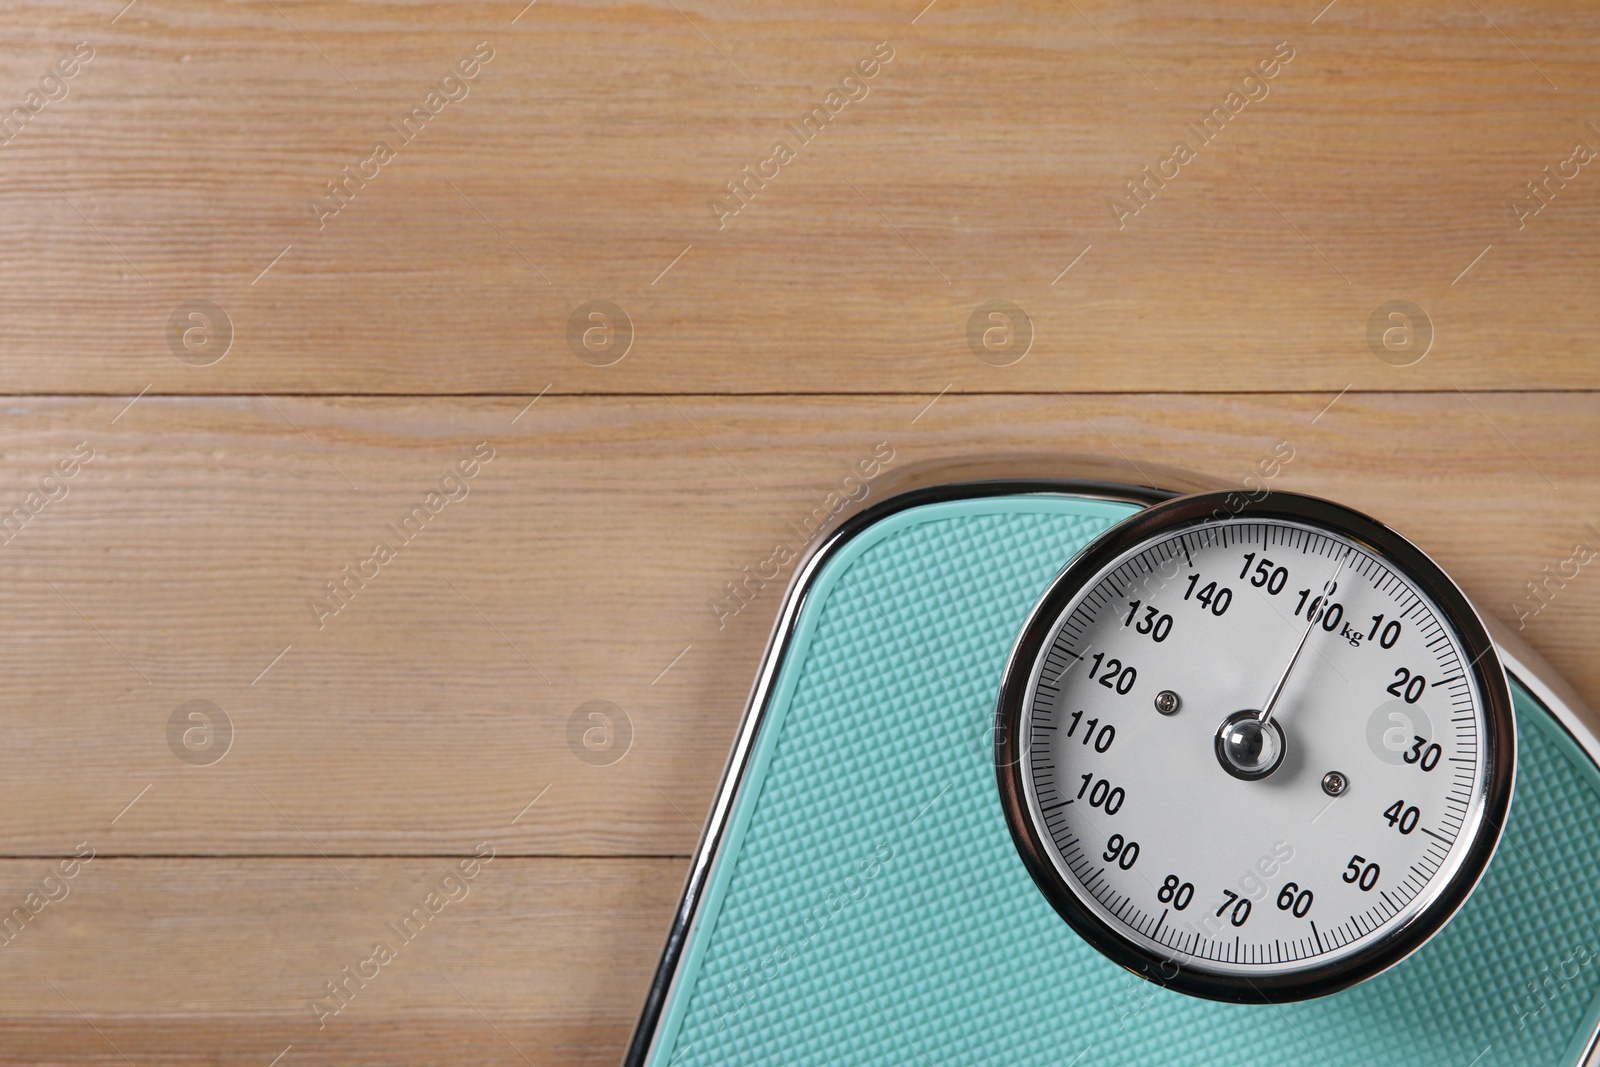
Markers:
point(269, 770)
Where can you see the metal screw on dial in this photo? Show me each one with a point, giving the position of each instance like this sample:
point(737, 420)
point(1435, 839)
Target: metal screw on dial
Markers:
point(1167, 702)
point(1334, 784)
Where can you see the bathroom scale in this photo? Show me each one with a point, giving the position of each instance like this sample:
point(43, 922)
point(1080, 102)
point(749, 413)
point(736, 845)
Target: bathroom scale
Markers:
point(1062, 762)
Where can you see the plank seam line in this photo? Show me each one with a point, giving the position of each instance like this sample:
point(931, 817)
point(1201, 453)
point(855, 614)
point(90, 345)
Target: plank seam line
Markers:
point(13, 858)
point(1307, 391)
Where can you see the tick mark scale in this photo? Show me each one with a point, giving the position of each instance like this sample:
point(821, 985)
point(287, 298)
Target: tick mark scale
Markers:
point(1206, 813)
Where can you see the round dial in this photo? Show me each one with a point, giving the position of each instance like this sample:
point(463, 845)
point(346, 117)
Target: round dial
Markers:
point(1255, 752)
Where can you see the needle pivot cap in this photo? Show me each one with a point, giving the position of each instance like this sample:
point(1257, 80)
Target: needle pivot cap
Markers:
point(1246, 748)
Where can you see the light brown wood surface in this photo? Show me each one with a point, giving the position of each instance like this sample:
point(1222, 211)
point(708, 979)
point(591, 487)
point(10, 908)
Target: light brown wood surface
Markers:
point(374, 748)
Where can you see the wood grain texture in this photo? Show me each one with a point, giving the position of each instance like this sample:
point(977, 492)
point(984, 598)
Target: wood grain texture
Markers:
point(1379, 165)
point(227, 961)
point(373, 350)
point(582, 563)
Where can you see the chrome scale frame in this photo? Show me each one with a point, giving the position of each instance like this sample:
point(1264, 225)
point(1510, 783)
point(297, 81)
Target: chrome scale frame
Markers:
point(1089, 477)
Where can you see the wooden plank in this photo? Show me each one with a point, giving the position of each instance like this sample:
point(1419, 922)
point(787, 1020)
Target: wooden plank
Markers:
point(582, 564)
point(1379, 164)
point(228, 961)
point(449, 702)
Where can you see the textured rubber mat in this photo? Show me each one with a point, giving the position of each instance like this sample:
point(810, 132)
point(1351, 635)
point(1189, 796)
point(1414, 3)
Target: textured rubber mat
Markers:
point(869, 907)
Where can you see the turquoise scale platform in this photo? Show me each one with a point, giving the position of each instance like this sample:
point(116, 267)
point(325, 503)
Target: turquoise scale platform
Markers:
point(870, 909)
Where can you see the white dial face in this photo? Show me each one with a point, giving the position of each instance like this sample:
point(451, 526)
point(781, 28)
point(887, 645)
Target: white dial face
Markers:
point(1380, 789)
